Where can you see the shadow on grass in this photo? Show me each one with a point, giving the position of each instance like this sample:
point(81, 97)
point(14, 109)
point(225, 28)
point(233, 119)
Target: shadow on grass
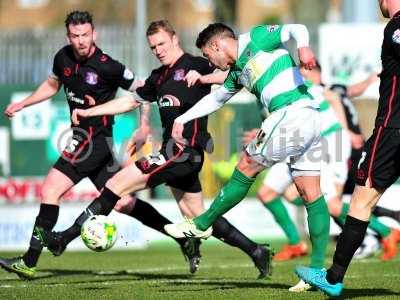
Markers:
point(356, 293)
point(175, 280)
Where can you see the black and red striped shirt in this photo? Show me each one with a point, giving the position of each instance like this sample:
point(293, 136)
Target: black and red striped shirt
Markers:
point(167, 86)
point(389, 100)
point(91, 82)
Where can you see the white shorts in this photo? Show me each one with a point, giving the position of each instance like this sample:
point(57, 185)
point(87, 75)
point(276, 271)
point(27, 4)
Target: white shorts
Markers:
point(334, 167)
point(278, 177)
point(292, 135)
point(335, 163)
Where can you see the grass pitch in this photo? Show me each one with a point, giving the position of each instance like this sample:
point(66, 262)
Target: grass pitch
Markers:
point(160, 272)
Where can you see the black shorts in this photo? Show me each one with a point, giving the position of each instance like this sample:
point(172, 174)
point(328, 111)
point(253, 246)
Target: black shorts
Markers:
point(379, 165)
point(178, 168)
point(90, 158)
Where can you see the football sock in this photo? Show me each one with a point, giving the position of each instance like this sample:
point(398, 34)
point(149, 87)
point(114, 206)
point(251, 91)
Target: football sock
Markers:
point(349, 240)
point(380, 211)
point(338, 221)
point(318, 226)
point(374, 223)
point(102, 205)
point(46, 219)
point(149, 216)
point(282, 217)
point(229, 234)
point(230, 195)
point(298, 201)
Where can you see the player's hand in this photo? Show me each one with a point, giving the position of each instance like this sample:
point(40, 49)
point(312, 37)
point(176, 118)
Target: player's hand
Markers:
point(307, 58)
point(78, 113)
point(192, 77)
point(13, 108)
point(357, 140)
point(137, 140)
point(137, 84)
point(177, 133)
point(250, 135)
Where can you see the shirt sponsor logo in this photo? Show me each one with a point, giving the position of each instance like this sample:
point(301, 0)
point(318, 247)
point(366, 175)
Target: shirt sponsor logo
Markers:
point(179, 75)
point(71, 97)
point(67, 71)
point(396, 36)
point(168, 101)
point(128, 75)
point(91, 78)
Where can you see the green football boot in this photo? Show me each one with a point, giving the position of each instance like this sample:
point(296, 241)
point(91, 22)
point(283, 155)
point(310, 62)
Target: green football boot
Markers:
point(17, 265)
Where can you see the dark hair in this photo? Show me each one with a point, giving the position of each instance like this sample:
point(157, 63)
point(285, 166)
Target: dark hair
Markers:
point(158, 25)
point(77, 17)
point(212, 30)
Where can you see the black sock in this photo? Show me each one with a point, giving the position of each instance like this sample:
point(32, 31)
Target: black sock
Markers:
point(46, 219)
point(226, 232)
point(350, 239)
point(150, 217)
point(384, 212)
point(102, 205)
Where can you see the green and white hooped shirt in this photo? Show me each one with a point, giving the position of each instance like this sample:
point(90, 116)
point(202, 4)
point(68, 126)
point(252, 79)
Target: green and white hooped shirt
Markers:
point(266, 69)
point(329, 121)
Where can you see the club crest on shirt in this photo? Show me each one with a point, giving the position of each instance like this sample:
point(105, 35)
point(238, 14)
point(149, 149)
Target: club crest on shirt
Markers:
point(179, 75)
point(396, 36)
point(91, 78)
point(272, 28)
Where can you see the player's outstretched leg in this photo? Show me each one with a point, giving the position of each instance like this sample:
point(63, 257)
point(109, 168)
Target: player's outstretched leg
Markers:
point(24, 266)
point(56, 242)
point(260, 254)
point(230, 195)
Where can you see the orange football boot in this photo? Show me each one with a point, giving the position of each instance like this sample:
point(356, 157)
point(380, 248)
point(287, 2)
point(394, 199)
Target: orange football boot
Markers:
point(292, 251)
point(389, 244)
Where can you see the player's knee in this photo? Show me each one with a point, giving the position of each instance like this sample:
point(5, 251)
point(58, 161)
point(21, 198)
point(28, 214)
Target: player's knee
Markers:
point(113, 185)
point(265, 194)
point(125, 205)
point(310, 193)
point(249, 167)
point(50, 194)
point(335, 207)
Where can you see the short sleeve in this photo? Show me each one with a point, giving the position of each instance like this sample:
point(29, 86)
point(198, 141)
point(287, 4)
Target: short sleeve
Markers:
point(56, 70)
point(392, 33)
point(203, 66)
point(148, 91)
point(118, 74)
point(231, 82)
point(267, 37)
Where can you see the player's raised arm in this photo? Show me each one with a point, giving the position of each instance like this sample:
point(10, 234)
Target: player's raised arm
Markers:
point(193, 77)
point(113, 107)
point(300, 34)
point(45, 91)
